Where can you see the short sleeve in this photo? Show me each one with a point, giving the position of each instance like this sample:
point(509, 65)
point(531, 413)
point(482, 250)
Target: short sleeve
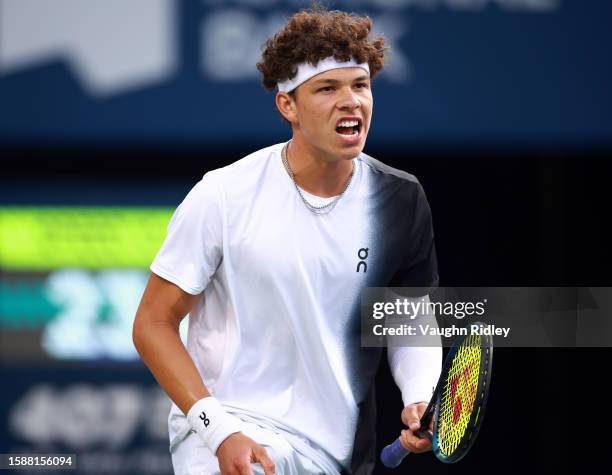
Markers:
point(193, 246)
point(419, 267)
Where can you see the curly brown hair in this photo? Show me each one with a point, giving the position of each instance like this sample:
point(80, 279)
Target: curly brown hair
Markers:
point(315, 34)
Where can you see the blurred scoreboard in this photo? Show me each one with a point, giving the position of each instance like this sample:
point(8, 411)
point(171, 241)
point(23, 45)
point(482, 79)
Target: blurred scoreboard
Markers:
point(71, 278)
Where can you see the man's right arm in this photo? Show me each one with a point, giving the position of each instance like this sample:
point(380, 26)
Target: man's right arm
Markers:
point(157, 339)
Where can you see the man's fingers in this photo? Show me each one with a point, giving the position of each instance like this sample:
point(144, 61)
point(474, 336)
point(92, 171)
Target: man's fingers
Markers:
point(424, 442)
point(243, 468)
point(262, 457)
point(409, 440)
point(414, 442)
point(410, 417)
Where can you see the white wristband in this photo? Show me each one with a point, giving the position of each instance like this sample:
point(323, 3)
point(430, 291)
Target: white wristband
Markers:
point(210, 421)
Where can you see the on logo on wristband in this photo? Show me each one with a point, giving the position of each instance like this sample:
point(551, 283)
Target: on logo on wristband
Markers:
point(204, 419)
point(212, 424)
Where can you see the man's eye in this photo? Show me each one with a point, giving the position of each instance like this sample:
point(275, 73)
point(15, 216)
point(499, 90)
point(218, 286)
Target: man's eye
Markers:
point(326, 89)
point(362, 85)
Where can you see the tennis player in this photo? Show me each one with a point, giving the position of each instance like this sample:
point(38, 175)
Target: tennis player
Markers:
point(269, 255)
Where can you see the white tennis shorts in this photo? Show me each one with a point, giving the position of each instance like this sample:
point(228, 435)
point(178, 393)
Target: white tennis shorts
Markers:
point(190, 457)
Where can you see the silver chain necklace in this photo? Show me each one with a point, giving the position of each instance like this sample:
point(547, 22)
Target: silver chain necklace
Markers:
point(316, 209)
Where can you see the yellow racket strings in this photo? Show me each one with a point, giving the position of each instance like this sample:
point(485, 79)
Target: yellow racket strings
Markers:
point(459, 394)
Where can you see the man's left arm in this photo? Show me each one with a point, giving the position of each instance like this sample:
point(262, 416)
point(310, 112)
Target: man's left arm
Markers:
point(416, 367)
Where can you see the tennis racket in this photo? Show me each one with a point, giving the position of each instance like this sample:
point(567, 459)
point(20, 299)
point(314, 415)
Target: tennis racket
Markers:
point(458, 402)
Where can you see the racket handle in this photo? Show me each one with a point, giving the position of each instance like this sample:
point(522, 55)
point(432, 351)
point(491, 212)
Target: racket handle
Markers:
point(393, 454)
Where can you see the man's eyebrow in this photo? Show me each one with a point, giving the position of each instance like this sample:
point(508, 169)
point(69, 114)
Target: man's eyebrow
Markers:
point(336, 81)
point(325, 81)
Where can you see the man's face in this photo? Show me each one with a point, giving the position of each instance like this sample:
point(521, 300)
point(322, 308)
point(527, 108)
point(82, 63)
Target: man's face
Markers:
point(333, 112)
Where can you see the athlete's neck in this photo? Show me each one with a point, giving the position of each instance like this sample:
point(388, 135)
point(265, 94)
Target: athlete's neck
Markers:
point(315, 172)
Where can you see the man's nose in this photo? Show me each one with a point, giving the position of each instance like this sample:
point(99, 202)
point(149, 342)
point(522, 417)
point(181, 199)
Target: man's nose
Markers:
point(349, 100)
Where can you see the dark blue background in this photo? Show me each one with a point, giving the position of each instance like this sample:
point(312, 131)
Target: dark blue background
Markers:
point(490, 77)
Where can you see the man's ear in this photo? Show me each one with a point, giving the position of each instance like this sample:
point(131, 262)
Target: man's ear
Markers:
point(285, 104)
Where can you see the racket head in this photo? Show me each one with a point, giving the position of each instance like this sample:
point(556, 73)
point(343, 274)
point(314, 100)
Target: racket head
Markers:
point(462, 396)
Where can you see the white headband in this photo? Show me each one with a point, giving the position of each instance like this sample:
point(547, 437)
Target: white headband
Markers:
point(306, 71)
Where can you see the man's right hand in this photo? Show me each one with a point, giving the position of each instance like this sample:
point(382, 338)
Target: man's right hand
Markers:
point(238, 452)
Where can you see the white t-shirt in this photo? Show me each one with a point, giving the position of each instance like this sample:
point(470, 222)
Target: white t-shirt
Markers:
point(276, 334)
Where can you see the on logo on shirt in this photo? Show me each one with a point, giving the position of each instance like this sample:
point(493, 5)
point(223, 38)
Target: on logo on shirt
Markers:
point(362, 264)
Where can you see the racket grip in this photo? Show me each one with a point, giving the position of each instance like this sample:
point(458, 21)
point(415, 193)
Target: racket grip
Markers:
point(393, 454)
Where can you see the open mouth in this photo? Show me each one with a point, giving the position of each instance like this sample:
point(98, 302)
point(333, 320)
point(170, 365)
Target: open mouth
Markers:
point(350, 127)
